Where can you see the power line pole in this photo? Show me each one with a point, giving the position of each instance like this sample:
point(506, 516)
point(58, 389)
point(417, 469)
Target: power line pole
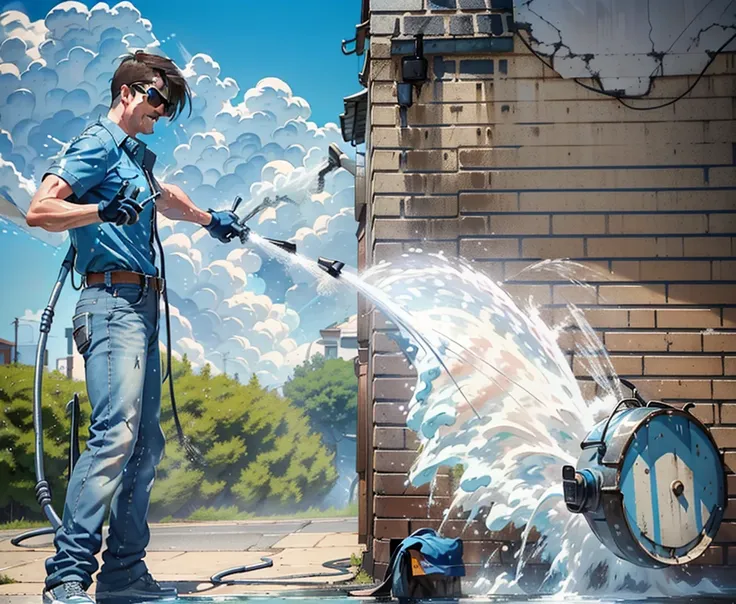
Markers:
point(16, 322)
point(224, 362)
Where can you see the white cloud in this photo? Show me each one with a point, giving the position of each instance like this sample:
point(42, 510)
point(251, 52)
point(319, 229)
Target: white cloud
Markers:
point(54, 78)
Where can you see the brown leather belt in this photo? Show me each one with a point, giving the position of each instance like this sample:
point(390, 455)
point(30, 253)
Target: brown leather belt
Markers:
point(117, 277)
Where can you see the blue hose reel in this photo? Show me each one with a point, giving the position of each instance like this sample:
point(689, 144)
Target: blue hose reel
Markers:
point(650, 482)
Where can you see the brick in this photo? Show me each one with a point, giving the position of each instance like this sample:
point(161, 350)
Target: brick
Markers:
point(390, 413)
point(398, 484)
point(705, 412)
point(391, 364)
point(577, 135)
point(715, 555)
point(552, 247)
point(723, 270)
point(394, 6)
point(489, 202)
point(729, 460)
point(655, 224)
point(729, 366)
point(472, 4)
point(722, 223)
point(385, 160)
point(390, 528)
point(725, 437)
point(724, 389)
point(384, 69)
point(683, 389)
point(682, 365)
point(728, 416)
point(408, 507)
point(601, 317)
point(491, 24)
point(702, 293)
point(729, 317)
point(448, 248)
point(386, 251)
point(719, 342)
point(722, 177)
point(493, 270)
point(489, 248)
point(520, 225)
point(389, 438)
point(624, 365)
point(641, 318)
point(539, 293)
point(481, 552)
point(636, 341)
point(431, 206)
point(684, 342)
point(380, 49)
point(393, 388)
point(393, 461)
point(633, 247)
point(429, 26)
point(688, 318)
point(674, 270)
point(631, 294)
point(384, 25)
point(386, 206)
point(389, 228)
point(450, 228)
point(431, 161)
point(572, 224)
point(383, 116)
point(708, 246)
point(441, 4)
point(461, 25)
point(574, 294)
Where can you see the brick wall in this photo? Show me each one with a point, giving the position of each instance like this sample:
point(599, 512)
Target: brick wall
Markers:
point(505, 163)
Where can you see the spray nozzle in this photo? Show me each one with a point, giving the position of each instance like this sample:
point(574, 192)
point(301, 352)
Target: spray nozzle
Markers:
point(331, 267)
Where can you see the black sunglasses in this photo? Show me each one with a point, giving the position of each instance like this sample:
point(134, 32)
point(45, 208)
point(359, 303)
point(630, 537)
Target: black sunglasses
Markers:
point(155, 98)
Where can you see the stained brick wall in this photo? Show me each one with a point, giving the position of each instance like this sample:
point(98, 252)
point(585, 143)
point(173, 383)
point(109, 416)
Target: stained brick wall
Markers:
point(505, 163)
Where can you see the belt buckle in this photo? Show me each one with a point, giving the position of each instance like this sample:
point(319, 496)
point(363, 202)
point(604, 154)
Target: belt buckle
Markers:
point(160, 284)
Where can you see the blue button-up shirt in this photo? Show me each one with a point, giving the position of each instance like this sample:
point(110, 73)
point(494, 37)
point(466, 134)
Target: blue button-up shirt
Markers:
point(95, 165)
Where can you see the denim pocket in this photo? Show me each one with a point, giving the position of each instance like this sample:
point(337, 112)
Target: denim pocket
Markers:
point(82, 331)
point(127, 295)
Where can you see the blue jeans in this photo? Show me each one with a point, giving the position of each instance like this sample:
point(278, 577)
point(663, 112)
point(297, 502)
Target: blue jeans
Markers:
point(116, 330)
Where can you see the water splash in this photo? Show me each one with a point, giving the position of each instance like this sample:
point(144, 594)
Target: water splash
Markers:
point(495, 395)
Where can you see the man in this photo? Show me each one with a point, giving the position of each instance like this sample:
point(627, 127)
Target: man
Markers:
point(101, 190)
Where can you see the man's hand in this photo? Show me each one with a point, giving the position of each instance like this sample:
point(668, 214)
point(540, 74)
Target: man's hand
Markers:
point(123, 209)
point(225, 226)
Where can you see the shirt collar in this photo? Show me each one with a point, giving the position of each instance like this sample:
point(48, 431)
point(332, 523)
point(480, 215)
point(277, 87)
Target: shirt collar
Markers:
point(132, 145)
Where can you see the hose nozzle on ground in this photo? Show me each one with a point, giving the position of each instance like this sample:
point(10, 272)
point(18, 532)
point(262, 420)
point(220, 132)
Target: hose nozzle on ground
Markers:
point(331, 267)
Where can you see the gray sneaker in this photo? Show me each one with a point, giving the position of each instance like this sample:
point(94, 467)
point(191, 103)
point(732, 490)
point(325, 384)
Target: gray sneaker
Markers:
point(144, 589)
point(71, 592)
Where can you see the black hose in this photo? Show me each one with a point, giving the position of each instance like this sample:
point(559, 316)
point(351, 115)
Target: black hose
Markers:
point(43, 490)
point(340, 565)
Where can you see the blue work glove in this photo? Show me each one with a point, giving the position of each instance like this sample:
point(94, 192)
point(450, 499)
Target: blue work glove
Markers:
point(122, 209)
point(225, 226)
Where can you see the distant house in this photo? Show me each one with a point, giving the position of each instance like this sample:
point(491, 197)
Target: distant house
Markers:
point(340, 340)
point(6, 352)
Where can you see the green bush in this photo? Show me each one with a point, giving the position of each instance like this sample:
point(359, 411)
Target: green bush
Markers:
point(260, 452)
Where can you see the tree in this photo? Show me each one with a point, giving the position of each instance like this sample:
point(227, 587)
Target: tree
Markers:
point(327, 390)
point(261, 454)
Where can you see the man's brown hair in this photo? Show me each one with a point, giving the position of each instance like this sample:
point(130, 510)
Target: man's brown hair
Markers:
point(144, 67)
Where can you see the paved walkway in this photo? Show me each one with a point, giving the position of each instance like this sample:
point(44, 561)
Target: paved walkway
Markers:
point(188, 554)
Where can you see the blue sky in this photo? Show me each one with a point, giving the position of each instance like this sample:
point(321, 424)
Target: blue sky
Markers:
point(288, 39)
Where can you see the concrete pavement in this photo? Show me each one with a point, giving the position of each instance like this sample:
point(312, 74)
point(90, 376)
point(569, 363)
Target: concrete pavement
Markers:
point(187, 554)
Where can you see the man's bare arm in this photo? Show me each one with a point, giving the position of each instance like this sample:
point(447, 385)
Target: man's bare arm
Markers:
point(176, 204)
point(51, 212)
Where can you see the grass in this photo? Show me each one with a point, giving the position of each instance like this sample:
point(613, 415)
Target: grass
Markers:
point(226, 514)
point(22, 524)
point(232, 513)
point(363, 578)
point(6, 580)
